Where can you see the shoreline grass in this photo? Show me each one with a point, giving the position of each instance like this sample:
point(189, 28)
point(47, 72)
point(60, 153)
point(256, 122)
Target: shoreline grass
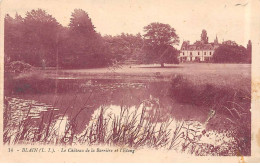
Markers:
point(136, 129)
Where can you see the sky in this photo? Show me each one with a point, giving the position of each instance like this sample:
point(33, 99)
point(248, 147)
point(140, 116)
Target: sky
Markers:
point(226, 19)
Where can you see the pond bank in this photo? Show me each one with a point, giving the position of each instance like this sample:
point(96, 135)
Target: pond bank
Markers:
point(233, 75)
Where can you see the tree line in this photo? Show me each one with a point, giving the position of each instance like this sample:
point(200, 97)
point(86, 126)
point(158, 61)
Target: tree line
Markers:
point(41, 41)
point(233, 53)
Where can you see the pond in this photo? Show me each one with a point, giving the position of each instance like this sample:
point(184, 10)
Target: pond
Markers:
point(64, 109)
point(71, 95)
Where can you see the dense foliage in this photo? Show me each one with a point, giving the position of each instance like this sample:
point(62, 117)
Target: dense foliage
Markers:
point(83, 46)
point(231, 54)
point(159, 39)
point(31, 39)
point(38, 39)
point(125, 46)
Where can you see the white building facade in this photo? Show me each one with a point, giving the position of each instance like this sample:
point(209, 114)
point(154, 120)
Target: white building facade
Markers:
point(197, 52)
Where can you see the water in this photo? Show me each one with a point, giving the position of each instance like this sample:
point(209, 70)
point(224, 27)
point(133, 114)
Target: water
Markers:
point(68, 96)
point(62, 103)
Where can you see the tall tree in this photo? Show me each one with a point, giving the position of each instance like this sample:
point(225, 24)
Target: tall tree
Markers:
point(158, 40)
point(40, 38)
point(81, 23)
point(13, 37)
point(204, 37)
point(85, 46)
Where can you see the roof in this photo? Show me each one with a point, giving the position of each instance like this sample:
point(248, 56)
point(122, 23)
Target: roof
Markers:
point(198, 45)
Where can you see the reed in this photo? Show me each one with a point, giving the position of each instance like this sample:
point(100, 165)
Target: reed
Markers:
point(136, 129)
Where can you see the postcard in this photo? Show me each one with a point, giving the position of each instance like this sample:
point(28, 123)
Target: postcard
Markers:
point(130, 81)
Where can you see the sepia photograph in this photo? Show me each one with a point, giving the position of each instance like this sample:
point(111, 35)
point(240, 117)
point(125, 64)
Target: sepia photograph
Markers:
point(128, 76)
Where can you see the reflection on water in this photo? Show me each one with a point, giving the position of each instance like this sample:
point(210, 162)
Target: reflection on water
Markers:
point(71, 95)
point(71, 114)
point(193, 135)
point(22, 109)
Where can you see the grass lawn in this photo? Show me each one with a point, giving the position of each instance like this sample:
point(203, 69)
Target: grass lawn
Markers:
point(234, 75)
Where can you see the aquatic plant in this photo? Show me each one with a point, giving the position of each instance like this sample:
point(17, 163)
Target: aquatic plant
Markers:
point(128, 127)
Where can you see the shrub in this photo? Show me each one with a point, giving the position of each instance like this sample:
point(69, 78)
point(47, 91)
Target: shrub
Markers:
point(208, 95)
point(18, 67)
point(231, 106)
point(231, 54)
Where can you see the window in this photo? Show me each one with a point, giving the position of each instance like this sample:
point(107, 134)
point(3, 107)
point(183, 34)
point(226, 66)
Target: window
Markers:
point(190, 53)
point(205, 53)
point(183, 53)
point(198, 53)
point(209, 53)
